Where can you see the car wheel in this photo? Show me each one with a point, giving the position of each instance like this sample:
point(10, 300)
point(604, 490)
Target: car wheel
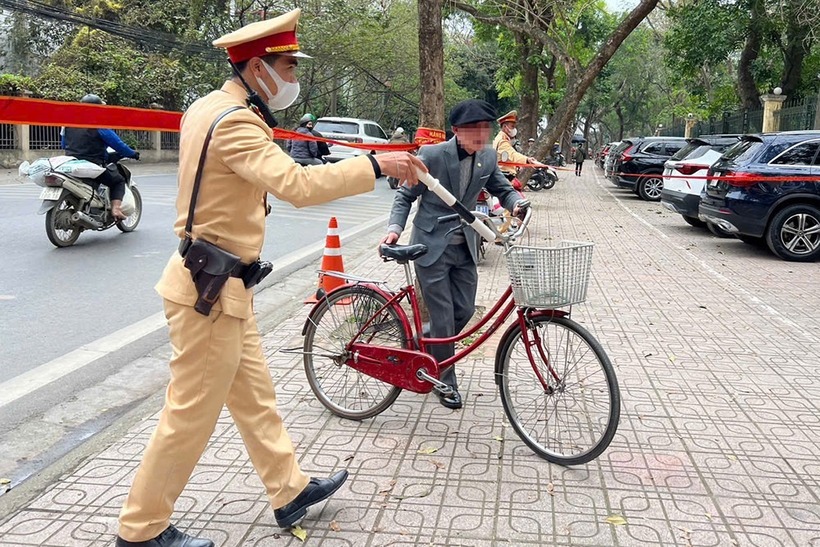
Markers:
point(794, 233)
point(717, 230)
point(650, 187)
point(692, 221)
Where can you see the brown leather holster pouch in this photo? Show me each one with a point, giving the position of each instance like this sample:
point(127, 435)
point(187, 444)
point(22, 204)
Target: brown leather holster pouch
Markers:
point(210, 269)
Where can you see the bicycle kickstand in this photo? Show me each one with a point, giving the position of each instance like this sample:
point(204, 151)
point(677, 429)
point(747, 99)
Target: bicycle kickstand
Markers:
point(438, 385)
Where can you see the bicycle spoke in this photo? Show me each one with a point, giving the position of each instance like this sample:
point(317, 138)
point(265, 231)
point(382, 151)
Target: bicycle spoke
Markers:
point(574, 419)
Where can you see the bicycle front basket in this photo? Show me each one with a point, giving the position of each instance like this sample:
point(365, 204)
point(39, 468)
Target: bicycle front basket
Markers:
point(550, 277)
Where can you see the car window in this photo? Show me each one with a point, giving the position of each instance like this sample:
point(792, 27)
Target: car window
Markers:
point(743, 151)
point(374, 130)
point(689, 148)
point(326, 126)
point(673, 147)
point(801, 154)
point(653, 148)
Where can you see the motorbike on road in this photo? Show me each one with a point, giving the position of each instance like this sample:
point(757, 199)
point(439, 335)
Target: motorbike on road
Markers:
point(542, 178)
point(73, 205)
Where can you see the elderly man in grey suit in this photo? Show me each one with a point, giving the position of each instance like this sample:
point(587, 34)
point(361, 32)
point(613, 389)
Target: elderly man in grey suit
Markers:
point(447, 273)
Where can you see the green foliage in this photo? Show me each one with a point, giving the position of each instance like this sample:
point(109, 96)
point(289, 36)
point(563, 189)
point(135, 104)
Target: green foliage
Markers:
point(14, 85)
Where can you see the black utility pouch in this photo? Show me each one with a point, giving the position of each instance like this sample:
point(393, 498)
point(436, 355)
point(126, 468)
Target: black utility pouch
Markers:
point(210, 269)
point(256, 272)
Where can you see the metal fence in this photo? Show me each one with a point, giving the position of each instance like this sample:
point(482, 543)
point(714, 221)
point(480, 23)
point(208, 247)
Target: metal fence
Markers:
point(8, 137)
point(743, 121)
point(796, 114)
point(44, 137)
point(169, 140)
point(138, 140)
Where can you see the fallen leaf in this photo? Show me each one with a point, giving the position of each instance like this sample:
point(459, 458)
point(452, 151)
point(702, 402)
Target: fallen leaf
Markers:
point(5, 481)
point(335, 526)
point(438, 464)
point(616, 520)
point(499, 438)
point(551, 489)
point(388, 488)
point(672, 358)
point(348, 458)
point(428, 450)
point(298, 532)
point(732, 457)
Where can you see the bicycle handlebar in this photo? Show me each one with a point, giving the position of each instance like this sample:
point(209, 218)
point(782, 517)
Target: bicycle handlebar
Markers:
point(475, 219)
point(469, 218)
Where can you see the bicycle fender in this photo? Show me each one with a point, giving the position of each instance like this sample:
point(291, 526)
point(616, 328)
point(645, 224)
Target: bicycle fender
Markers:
point(510, 332)
point(387, 296)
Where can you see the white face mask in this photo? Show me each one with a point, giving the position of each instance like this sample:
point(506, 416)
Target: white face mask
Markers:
point(512, 132)
point(287, 92)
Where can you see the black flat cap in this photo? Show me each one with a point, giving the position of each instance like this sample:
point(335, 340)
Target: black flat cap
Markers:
point(472, 111)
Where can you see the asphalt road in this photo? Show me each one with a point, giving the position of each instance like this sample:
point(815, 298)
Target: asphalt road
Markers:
point(53, 301)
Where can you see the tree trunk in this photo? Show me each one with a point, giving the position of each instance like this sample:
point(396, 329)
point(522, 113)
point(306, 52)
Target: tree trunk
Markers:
point(798, 46)
point(431, 63)
point(746, 86)
point(528, 123)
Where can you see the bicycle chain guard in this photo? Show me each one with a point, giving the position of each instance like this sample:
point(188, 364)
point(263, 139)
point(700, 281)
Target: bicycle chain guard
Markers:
point(396, 366)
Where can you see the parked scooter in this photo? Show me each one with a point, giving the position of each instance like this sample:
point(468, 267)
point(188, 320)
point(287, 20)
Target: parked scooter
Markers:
point(73, 204)
point(542, 178)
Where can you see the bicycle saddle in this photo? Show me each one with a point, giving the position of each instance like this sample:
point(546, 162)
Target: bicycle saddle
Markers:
point(402, 253)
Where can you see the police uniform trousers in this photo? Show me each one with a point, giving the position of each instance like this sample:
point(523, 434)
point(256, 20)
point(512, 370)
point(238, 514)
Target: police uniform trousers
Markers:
point(449, 288)
point(217, 360)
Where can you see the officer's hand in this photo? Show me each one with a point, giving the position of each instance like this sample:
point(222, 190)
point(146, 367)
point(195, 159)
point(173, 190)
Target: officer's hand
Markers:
point(400, 165)
point(137, 156)
point(532, 160)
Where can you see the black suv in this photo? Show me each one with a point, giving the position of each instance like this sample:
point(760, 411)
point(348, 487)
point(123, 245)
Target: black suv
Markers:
point(640, 165)
point(767, 188)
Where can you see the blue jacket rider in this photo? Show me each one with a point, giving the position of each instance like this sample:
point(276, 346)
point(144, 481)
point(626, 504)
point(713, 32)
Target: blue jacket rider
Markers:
point(90, 145)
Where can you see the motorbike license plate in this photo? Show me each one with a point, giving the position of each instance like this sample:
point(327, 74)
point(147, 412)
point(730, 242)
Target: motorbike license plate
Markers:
point(52, 193)
point(483, 209)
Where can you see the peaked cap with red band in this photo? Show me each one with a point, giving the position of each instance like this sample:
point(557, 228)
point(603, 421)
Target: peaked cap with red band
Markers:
point(511, 116)
point(273, 36)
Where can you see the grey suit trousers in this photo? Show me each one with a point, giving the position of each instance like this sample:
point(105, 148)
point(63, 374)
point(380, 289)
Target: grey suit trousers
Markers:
point(449, 288)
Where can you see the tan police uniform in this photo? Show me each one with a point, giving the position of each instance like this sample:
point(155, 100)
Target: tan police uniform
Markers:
point(217, 359)
point(503, 143)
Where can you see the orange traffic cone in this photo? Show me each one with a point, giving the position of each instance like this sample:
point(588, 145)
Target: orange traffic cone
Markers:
point(331, 261)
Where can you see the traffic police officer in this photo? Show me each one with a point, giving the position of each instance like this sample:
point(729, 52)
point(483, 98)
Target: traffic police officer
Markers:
point(503, 144)
point(217, 358)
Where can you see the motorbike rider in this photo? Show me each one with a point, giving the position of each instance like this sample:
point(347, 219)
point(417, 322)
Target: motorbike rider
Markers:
point(308, 152)
point(90, 144)
point(504, 146)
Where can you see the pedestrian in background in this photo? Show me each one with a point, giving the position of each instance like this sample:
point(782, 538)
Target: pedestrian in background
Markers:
point(207, 286)
point(579, 156)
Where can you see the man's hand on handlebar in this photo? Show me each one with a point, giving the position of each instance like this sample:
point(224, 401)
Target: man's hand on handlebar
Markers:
point(520, 208)
point(400, 165)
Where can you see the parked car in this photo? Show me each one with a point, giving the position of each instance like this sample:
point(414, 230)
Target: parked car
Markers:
point(639, 166)
point(609, 160)
point(684, 174)
point(765, 189)
point(600, 157)
point(350, 130)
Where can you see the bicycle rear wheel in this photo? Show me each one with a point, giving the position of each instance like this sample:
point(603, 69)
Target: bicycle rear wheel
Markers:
point(345, 391)
point(575, 418)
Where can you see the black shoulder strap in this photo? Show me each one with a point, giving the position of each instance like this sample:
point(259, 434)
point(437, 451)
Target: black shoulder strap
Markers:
point(198, 177)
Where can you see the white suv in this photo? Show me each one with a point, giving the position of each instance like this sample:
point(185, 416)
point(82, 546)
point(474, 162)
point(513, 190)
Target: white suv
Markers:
point(350, 130)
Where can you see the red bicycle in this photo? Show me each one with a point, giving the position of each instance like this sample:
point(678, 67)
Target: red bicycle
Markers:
point(556, 383)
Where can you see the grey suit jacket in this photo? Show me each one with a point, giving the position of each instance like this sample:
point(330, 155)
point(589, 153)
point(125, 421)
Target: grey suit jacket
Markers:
point(442, 161)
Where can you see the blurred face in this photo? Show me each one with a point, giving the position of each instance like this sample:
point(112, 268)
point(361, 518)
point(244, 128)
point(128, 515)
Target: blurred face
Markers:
point(473, 137)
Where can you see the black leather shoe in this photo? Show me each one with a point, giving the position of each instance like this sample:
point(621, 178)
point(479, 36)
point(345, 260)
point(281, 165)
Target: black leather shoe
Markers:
point(316, 491)
point(171, 537)
point(450, 401)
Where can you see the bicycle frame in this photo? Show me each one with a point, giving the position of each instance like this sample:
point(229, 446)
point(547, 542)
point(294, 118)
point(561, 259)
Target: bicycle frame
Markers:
point(501, 311)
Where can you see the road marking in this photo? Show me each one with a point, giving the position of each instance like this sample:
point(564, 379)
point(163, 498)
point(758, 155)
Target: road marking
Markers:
point(36, 378)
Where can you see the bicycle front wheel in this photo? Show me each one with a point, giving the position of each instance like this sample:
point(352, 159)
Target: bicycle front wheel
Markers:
point(343, 390)
point(574, 418)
